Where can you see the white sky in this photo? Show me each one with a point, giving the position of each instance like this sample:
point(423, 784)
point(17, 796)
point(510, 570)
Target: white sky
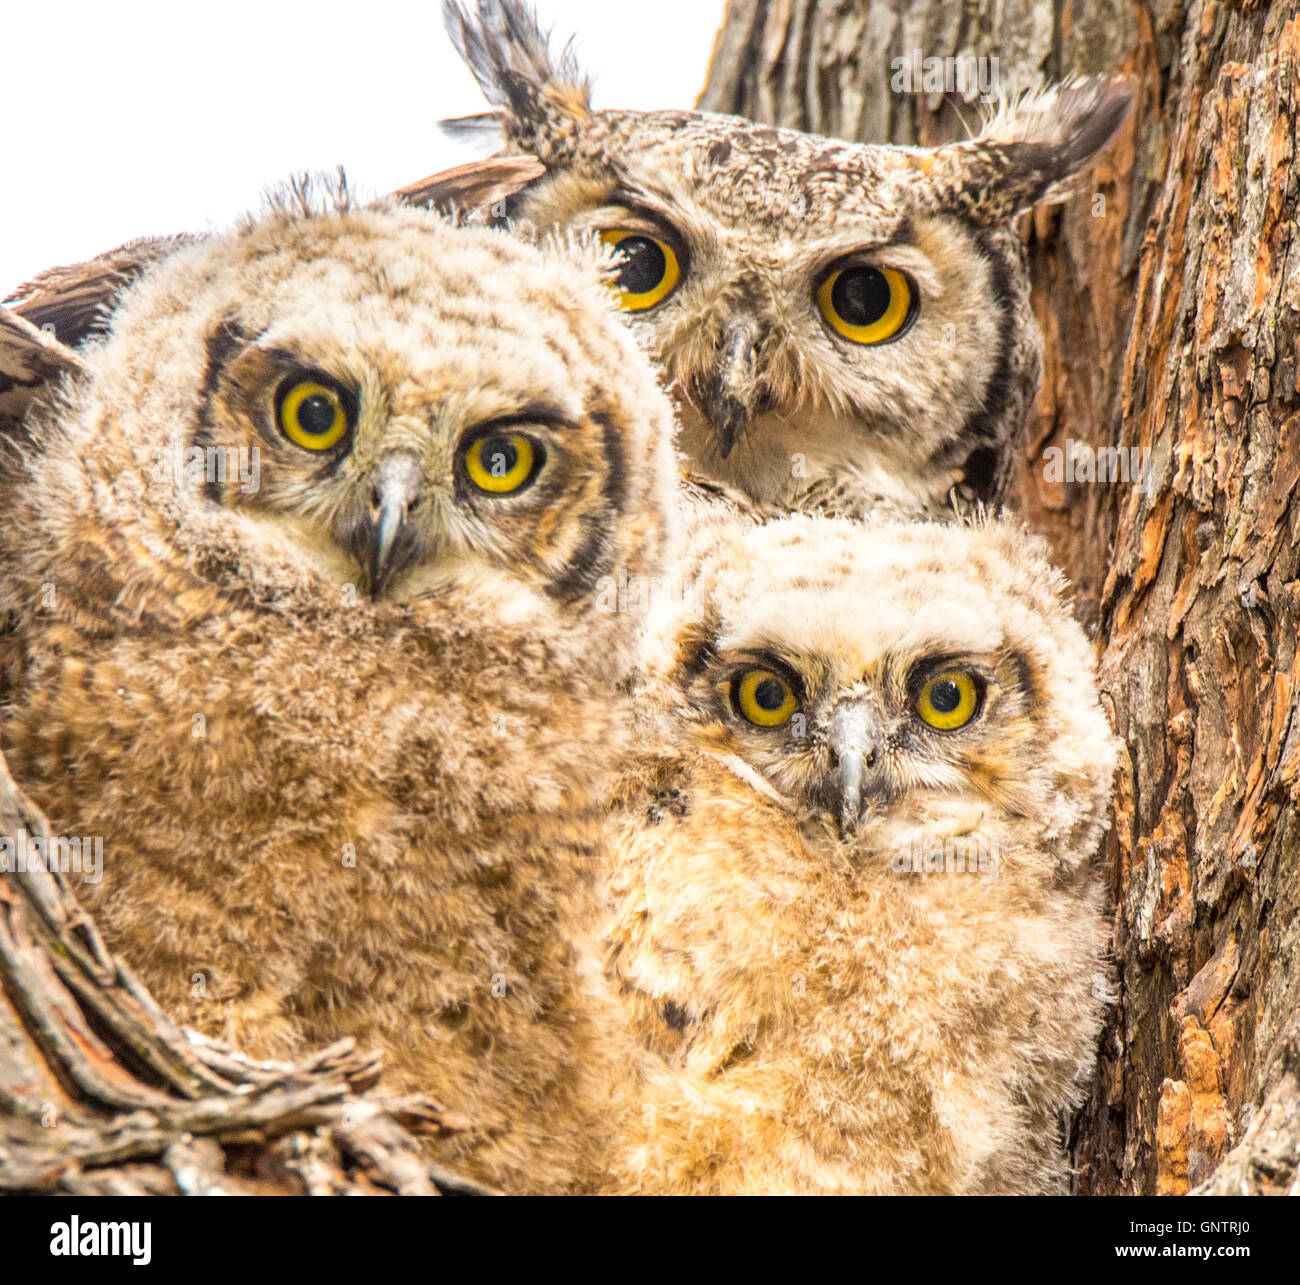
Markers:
point(141, 117)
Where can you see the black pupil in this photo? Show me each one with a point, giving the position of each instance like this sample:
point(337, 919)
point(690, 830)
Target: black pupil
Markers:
point(945, 696)
point(860, 296)
point(769, 695)
point(316, 415)
point(500, 455)
point(643, 265)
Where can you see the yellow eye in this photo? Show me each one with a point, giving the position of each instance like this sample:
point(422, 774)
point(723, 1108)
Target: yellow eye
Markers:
point(312, 416)
point(764, 698)
point(867, 305)
point(648, 269)
point(501, 463)
point(948, 700)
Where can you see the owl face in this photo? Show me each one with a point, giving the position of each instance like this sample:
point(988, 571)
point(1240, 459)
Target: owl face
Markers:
point(412, 407)
point(893, 678)
point(825, 312)
point(855, 334)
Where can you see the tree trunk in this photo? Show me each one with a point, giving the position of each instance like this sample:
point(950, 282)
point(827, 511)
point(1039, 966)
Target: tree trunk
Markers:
point(1168, 291)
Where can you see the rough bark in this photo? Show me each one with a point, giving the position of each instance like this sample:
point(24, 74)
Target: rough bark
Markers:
point(1171, 317)
point(101, 1094)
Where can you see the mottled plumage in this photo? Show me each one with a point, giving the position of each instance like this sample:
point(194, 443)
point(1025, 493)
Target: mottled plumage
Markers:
point(923, 408)
point(345, 726)
point(838, 1014)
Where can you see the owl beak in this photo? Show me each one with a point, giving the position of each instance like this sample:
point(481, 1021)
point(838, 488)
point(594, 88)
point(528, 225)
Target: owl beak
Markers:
point(388, 537)
point(729, 401)
point(857, 741)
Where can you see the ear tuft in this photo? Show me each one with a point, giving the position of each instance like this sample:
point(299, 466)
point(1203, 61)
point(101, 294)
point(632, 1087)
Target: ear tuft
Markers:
point(542, 97)
point(1031, 147)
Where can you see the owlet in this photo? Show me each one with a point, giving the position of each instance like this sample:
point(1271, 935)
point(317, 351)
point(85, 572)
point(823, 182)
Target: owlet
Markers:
point(307, 575)
point(858, 910)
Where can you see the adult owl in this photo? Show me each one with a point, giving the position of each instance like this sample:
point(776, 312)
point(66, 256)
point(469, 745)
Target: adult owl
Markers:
point(857, 909)
point(306, 565)
point(845, 327)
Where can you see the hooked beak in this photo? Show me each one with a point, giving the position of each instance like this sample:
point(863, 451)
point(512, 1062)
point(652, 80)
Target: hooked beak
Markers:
point(387, 537)
point(856, 740)
point(729, 403)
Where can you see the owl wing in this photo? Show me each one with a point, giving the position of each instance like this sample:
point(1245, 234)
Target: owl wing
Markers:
point(72, 303)
point(479, 185)
point(46, 320)
point(30, 360)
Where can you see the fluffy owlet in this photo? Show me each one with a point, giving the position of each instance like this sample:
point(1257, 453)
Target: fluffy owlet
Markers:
point(307, 573)
point(858, 911)
point(845, 327)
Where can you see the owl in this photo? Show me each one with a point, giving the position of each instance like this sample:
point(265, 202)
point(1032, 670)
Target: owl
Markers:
point(846, 328)
point(856, 910)
point(308, 579)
